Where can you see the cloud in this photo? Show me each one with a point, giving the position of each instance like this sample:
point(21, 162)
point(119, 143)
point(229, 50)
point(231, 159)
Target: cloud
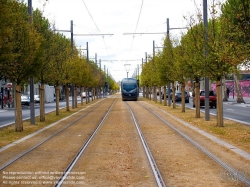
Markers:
point(117, 17)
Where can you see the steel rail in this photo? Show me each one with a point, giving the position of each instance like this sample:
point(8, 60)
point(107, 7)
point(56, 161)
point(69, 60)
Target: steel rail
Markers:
point(158, 177)
point(204, 150)
point(81, 150)
point(45, 140)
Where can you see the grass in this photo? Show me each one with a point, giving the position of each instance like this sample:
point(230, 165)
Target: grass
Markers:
point(232, 132)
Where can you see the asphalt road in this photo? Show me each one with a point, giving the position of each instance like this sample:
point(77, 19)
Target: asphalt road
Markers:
point(7, 116)
point(231, 110)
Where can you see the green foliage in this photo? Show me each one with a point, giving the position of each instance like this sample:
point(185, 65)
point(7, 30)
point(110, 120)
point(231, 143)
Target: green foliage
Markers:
point(226, 47)
point(235, 19)
point(18, 45)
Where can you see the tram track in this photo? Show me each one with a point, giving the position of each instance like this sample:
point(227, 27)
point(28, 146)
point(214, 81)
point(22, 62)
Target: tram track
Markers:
point(79, 153)
point(156, 171)
point(46, 139)
point(70, 131)
point(116, 156)
point(121, 144)
point(238, 176)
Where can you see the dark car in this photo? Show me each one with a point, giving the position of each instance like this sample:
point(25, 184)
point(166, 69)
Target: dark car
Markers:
point(25, 100)
point(178, 95)
point(212, 99)
point(167, 93)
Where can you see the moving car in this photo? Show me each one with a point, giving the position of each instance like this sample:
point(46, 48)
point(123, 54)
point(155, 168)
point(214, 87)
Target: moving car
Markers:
point(178, 95)
point(212, 99)
point(25, 100)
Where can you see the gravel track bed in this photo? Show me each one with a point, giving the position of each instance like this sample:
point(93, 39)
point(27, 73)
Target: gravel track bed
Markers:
point(115, 156)
point(55, 154)
point(180, 163)
point(236, 161)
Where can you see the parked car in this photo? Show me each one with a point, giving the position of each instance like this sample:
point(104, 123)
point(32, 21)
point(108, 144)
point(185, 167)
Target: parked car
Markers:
point(37, 98)
point(84, 94)
point(166, 93)
point(212, 99)
point(178, 95)
point(25, 100)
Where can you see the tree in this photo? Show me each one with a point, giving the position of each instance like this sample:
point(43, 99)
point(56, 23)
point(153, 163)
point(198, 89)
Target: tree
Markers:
point(20, 48)
point(43, 54)
point(168, 63)
point(235, 19)
point(60, 55)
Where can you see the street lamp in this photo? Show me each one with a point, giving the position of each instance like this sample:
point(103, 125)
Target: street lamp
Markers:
point(127, 66)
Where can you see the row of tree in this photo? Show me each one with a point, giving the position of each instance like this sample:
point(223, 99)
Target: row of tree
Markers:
point(227, 44)
point(30, 47)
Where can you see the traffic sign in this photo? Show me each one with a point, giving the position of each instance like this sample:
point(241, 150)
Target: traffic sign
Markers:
point(9, 85)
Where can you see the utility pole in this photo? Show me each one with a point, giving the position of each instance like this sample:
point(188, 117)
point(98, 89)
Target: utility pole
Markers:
point(96, 58)
point(127, 68)
point(107, 82)
point(143, 88)
point(87, 49)
point(32, 103)
point(72, 54)
point(154, 88)
point(147, 88)
point(100, 63)
point(207, 115)
point(104, 89)
point(169, 103)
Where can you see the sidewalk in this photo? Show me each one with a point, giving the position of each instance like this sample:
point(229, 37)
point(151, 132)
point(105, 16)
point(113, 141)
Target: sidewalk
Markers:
point(233, 101)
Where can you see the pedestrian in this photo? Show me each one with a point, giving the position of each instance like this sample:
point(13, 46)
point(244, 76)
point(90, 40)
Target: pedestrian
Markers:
point(228, 91)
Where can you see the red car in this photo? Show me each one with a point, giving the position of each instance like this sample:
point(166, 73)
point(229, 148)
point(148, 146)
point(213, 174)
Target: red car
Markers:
point(212, 99)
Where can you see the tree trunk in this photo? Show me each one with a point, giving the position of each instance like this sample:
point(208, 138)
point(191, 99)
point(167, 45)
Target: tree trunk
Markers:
point(173, 95)
point(150, 92)
point(42, 108)
point(219, 104)
point(67, 97)
point(57, 100)
point(81, 96)
point(224, 94)
point(160, 94)
point(182, 97)
point(197, 99)
point(147, 92)
point(86, 98)
point(165, 96)
point(18, 110)
point(238, 90)
point(92, 90)
point(143, 91)
point(75, 93)
point(96, 93)
point(155, 94)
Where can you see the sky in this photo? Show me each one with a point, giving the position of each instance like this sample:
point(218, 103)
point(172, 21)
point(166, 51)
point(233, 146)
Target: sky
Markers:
point(121, 51)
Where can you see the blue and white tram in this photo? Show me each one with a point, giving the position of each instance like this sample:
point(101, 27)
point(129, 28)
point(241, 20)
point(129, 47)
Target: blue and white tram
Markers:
point(129, 89)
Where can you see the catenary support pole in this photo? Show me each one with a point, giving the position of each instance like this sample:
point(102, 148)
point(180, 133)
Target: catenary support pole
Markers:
point(32, 103)
point(72, 53)
point(207, 115)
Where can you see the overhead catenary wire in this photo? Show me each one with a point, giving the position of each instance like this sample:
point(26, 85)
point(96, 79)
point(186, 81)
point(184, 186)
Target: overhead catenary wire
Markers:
point(96, 27)
point(136, 27)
